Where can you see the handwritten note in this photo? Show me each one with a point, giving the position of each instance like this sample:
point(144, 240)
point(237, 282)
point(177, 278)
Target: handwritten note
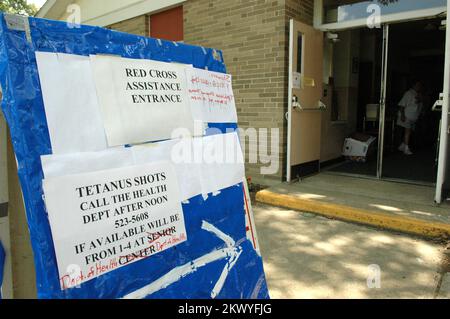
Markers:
point(210, 96)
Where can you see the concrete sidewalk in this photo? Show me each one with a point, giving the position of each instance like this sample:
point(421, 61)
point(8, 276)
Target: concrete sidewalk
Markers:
point(400, 207)
point(308, 256)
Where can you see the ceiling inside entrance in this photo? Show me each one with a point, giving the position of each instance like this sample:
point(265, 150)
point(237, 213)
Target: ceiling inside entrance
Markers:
point(420, 36)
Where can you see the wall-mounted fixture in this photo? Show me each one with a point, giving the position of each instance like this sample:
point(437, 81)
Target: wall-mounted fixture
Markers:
point(333, 37)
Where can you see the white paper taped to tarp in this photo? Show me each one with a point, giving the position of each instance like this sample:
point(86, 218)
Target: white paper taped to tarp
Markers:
point(70, 100)
point(141, 100)
point(211, 96)
point(203, 165)
point(104, 220)
point(67, 164)
point(67, 79)
point(189, 174)
point(222, 164)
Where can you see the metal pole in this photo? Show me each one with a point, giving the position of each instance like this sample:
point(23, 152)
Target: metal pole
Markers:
point(443, 148)
point(289, 112)
point(383, 101)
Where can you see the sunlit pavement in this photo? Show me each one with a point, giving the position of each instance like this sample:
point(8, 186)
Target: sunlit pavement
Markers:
point(307, 256)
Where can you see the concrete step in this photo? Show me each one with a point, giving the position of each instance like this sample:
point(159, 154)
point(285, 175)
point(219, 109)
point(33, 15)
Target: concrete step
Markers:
point(393, 206)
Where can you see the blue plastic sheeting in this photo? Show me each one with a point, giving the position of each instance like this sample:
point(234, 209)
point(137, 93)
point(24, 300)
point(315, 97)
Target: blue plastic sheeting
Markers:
point(221, 128)
point(2, 267)
point(24, 111)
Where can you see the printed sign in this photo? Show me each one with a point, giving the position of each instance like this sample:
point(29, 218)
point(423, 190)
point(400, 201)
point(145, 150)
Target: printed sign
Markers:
point(104, 220)
point(211, 96)
point(140, 100)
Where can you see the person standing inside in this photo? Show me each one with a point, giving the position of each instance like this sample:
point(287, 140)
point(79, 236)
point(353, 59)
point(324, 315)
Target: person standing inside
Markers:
point(410, 108)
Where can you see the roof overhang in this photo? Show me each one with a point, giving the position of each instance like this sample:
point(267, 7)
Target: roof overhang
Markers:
point(55, 9)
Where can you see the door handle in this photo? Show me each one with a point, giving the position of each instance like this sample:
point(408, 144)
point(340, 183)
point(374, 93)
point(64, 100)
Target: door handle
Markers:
point(322, 105)
point(439, 103)
point(295, 103)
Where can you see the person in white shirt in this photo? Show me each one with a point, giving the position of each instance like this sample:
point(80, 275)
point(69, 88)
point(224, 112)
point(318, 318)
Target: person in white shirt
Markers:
point(410, 108)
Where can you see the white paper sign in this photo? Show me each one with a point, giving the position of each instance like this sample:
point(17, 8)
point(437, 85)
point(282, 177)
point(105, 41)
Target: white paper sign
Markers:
point(73, 116)
point(141, 100)
point(104, 220)
point(203, 165)
point(211, 96)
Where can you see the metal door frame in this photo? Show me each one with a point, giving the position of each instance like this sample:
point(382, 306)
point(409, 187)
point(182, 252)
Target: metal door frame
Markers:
point(445, 129)
point(289, 112)
point(382, 119)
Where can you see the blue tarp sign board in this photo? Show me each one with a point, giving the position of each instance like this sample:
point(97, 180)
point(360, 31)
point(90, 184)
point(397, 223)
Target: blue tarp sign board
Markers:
point(2, 267)
point(111, 212)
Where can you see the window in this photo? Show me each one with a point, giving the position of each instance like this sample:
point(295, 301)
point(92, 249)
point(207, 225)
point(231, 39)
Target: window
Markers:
point(167, 25)
point(352, 13)
point(300, 53)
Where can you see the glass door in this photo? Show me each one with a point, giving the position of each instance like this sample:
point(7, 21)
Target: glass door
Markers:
point(356, 93)
point(414, 80)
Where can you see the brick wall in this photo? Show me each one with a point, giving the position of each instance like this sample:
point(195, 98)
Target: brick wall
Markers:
point(254, 38)
point(301, 10)
point(251, 35)
point(139, 25)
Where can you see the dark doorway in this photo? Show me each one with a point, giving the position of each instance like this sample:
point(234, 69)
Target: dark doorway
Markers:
point(416, 52)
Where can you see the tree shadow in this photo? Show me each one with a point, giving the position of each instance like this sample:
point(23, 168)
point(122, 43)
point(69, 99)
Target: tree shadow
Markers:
point(308, 256)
